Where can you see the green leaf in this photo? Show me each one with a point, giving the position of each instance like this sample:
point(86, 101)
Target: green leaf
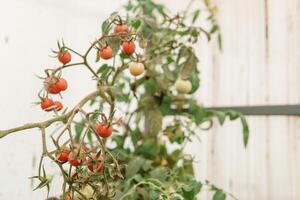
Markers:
point(245, 130)
point(160, 174)
point(105, 27)
point(78, 129)
point(189, 66)
point(195, 15)
point(147, 149)
point(220, 44)
point(233, 115)
point(214, 28)
point(134, 167)
point(191, 190)
point(115, 44)
point(136, 23)
point(165, 106)
point(135, 136)
point(102, 68)
point(195, 80)
point(221, 116)
point(176, 196)
point(219, 195)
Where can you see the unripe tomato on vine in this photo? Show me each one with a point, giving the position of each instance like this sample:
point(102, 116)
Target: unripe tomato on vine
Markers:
point(64, 57)
point(47, 104)
point(136, 68)
point(121, 28)
point(183, 86)
point(128, 47)
point(103, 130)
point(106, 53)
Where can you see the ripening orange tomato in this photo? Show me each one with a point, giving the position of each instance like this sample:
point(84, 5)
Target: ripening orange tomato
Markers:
point(128, 47)
point(121, 28)
point(136, 68)
point(106, 53)
point(64, 57)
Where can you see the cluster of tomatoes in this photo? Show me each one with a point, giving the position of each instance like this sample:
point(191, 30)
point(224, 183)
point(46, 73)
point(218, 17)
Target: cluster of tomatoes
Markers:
point(128, 48)
point(55, 85)
point(78, 156)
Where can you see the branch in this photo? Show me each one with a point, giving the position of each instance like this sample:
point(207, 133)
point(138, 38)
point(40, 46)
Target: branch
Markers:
point(45, 124)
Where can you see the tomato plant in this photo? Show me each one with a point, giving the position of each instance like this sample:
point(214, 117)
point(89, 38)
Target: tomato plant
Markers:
point(114, 143)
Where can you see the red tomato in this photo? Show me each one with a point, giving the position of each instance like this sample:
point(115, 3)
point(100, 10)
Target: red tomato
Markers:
point(121, 28)
point(64, 57)
point(47, 104)
point(58, 106)
point(63, 156)
point(128, 48)
point(103, 131)
point(50, 85)
point(61, 84)
point(106, 53)
point(76, 159)
point(96, 163)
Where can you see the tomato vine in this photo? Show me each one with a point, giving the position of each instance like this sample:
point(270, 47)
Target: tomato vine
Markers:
point(114, 144)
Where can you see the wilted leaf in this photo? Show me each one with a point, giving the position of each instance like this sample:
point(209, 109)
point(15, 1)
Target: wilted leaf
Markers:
point(153, 122)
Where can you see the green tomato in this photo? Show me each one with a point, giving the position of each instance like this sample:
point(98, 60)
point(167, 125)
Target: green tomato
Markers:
point(183, 86)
